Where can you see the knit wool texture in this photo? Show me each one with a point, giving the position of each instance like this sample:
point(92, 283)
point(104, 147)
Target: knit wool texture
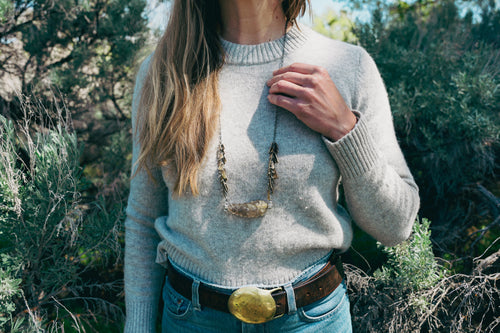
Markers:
point(306, 222)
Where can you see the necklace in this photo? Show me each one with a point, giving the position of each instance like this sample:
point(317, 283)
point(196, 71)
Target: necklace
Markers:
point(256, 208)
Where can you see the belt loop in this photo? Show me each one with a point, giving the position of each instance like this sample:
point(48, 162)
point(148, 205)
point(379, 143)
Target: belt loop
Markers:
point(290, 298)
point(196, 295)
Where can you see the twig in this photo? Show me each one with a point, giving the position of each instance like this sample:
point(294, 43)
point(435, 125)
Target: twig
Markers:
point(487, 262)
point(70, 313)
point(30, 312)
point(493, 200)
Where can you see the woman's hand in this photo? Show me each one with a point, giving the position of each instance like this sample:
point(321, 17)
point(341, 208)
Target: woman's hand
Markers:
point(310, 94)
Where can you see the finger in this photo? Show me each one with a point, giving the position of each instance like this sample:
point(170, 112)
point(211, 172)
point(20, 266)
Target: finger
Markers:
point(285, 102)
point(286, 88)
point(298, 68)
point(294, 77)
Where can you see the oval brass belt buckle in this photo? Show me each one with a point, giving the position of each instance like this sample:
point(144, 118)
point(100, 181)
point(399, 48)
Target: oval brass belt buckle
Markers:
point(253, 305)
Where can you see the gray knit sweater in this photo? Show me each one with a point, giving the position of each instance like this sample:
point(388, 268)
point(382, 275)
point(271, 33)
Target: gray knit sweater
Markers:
point(306, 222)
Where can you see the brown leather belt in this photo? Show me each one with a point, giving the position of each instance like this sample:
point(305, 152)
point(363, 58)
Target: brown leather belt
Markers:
point(306, 292)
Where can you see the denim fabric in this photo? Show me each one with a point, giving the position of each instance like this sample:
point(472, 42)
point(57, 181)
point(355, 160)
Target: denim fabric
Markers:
point(330, 314)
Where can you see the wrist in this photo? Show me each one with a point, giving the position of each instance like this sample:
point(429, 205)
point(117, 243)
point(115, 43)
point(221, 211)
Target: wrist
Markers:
point(343, 127)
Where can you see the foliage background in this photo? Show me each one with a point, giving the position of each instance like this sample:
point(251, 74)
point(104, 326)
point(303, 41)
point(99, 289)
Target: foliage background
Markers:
point(67, 70)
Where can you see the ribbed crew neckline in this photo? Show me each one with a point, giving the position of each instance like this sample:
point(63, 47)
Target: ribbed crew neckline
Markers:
point(240, 54)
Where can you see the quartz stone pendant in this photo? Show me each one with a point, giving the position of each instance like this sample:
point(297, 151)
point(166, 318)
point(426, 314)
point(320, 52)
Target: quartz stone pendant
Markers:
point(250, 209)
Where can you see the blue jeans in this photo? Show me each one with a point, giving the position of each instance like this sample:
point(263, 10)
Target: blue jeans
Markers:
point(330, 314)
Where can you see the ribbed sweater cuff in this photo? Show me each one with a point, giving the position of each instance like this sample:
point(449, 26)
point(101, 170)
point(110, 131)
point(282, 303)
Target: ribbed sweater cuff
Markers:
point(141, 317)
point(354, 153)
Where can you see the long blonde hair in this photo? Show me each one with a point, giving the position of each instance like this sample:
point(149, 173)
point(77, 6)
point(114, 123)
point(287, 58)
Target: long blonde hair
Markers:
point(179, 105)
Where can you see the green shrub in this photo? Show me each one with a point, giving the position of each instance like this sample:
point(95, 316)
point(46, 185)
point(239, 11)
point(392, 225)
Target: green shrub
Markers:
point(335, 25)
point(9, 287)
point(411, 264)
point(63, 243)
point(43, 216)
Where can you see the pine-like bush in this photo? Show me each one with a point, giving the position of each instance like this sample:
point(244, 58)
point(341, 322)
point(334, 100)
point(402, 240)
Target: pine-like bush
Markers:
point(442, 75)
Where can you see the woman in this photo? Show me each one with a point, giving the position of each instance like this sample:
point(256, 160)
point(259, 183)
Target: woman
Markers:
point(244, 125)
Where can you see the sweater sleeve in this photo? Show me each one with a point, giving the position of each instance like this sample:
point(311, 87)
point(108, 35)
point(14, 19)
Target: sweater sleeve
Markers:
point(147, 200)
point(380, 192)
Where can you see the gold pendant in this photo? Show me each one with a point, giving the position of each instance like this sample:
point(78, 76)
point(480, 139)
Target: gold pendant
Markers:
point(250, 209)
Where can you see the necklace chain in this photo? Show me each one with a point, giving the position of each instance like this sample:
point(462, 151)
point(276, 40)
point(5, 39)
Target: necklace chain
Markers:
point(255, 208)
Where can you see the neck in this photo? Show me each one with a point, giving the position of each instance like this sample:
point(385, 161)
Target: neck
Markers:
point(252, 21)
